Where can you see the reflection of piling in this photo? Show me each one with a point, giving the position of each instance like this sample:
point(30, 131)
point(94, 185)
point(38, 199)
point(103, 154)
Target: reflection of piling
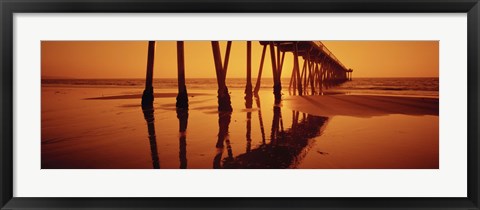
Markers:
point(277, 115)
point(287, 149)
point(260, 118)
point(182, 116)
point(249, 131)
point(148, 115)
point(182, 97)
point(223, 124)
point(294, 121)
point(147, 98)
point(229, 147)
point(248, 105)
point(224, 103)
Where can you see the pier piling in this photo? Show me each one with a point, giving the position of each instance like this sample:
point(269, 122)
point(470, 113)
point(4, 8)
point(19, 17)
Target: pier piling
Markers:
point(320, 70)
point(260, 69)
point(224, 103)
point(147, 97)
point(248, 86)
point(277, 86)
point(182, 97)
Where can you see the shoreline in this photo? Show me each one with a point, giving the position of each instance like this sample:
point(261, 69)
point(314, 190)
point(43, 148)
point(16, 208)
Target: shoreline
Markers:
point(329, 104)
point(412, 87)
point(198, 91)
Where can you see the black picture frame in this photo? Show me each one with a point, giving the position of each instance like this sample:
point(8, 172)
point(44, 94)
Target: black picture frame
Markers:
point(10, 7)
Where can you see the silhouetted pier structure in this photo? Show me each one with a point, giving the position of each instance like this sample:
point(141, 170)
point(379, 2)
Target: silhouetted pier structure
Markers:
point(321, 69)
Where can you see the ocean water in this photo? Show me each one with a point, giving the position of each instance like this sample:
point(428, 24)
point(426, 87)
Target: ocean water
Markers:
point(382, 86)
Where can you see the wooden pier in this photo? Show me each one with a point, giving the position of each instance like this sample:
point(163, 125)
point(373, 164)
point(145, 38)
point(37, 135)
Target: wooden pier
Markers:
point(320, 70)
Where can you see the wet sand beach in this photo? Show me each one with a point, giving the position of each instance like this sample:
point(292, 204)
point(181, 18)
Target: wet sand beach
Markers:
point(106, 128)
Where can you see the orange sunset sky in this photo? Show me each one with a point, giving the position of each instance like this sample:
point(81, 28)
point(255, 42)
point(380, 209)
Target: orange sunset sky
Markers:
point(127, 59)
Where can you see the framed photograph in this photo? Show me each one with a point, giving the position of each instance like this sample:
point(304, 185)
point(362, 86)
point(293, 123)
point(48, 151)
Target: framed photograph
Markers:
point(239, 105)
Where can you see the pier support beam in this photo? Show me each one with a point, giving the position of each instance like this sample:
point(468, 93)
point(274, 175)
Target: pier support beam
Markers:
point(248, 87)
point(293, 79)
point(296, 68)
point(277, 86)
point(182, 97)
point(321, 74)
point(224, 103)
point(311, 73)
point(259, 77)
point(147, 97)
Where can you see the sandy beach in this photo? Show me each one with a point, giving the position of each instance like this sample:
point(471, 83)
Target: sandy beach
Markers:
point(88, 128)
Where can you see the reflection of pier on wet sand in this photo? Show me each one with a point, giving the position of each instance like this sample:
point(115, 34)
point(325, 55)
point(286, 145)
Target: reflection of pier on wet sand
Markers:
point(279, 145)
point(286, 147)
